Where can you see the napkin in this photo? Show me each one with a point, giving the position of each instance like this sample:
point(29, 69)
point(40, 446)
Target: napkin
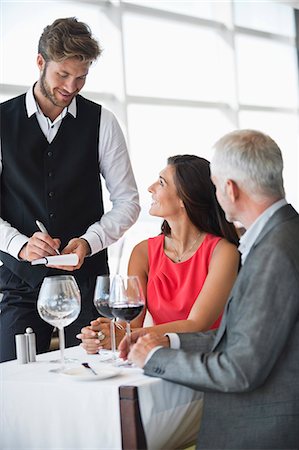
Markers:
point(70, 259)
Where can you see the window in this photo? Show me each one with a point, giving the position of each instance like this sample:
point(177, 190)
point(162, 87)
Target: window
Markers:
point(157, 132)
point(199, 61)
point(267, 72)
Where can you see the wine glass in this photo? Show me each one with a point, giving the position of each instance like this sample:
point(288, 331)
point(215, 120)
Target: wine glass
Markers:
point(59, 304)
point(126, 300)
point(101, 302)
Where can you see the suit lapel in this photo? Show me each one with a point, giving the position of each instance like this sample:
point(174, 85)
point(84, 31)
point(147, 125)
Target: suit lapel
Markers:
point(283, 214)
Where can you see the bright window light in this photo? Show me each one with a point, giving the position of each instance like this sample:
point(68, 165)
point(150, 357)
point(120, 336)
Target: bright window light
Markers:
point(267, 72)
point(271, 16)
point(173, 60)
point(20, 41)
point(203, 9)
point(157, 132)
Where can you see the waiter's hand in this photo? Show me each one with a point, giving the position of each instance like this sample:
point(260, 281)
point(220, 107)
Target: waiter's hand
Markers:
point(39, 245)
point(80, 247)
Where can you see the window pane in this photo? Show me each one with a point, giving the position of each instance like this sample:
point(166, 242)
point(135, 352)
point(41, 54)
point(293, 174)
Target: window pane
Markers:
point(267, 72)
point(19, 41)
point(283, 128)
point(203, 9)
point(270, 16)
point(174, 60)
point(4, 97)
point(157, 132)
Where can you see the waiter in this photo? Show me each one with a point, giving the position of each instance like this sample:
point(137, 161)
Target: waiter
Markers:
point(55, 144)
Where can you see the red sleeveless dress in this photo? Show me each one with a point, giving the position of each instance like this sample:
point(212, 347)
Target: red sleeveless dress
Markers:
point(172, 288)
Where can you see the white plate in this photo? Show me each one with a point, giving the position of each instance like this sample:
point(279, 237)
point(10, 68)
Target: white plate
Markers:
point(80, 373)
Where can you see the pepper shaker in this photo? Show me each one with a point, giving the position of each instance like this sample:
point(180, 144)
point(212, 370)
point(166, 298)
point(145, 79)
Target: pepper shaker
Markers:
point(31, 344)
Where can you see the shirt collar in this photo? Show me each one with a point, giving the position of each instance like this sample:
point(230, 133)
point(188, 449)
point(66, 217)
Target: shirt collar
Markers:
point(32, 106)
point(250, 236)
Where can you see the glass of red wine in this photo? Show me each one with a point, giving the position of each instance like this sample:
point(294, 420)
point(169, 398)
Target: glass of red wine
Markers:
point(101, 302)
point(126, 300)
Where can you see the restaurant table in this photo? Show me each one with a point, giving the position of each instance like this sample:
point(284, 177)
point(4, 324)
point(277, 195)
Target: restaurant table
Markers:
point(42, 410)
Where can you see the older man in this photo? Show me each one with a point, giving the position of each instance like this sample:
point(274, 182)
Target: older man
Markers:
point(249, 368)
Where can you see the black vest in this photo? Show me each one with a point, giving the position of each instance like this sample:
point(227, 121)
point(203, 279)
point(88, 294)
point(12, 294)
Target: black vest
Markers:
point(58, 183)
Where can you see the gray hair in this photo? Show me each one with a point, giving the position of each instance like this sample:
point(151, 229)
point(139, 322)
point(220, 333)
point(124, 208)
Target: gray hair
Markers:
point(253, 160)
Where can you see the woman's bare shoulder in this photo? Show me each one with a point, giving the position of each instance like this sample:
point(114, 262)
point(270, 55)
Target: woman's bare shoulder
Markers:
point(140, 252)
point(139, 258)
point(225, 248)
point(141, 247)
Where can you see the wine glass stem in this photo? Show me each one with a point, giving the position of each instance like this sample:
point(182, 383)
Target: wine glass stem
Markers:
point(62, 346)
point(128, 331)
point(113, 341)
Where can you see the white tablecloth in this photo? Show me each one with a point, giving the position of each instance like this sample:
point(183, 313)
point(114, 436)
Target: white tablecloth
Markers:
point(41, 410)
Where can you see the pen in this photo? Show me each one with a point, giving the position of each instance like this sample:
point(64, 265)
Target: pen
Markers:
point(43, 229)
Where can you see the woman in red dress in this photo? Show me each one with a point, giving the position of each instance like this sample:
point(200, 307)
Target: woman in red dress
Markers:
point(188, 270)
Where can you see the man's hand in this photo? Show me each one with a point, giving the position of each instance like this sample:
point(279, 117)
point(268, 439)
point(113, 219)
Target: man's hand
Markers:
point(124, 347)
point(80, 247)
point(143, 343)
point(39, 245)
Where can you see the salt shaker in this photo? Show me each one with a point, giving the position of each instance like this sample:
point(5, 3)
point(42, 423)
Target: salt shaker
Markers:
point(31, 344)
point(22, 349)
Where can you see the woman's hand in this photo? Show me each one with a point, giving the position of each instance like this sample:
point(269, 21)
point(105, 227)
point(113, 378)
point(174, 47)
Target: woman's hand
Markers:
point(89, 337)
point(97, 335)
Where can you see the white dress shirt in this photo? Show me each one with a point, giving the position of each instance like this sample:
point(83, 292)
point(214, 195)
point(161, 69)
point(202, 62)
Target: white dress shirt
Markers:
point(114, 166)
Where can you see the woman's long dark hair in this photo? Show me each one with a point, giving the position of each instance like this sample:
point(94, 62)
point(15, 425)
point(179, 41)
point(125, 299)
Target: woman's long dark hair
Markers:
point(196, 190)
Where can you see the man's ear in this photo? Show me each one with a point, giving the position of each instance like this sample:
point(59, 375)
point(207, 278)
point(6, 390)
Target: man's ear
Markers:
point(40, 62)
point(232, 190)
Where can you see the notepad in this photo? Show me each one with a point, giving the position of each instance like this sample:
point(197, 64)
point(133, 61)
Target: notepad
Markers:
point(58, 260)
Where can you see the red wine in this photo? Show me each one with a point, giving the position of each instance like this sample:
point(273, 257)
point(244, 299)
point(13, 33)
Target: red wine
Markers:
point(127, 312)
point(103, 308)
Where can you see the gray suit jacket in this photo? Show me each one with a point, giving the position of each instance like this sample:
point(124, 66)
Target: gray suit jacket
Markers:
point(249, 369)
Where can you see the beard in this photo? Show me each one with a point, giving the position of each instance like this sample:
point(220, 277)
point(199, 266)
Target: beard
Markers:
point(48, 94)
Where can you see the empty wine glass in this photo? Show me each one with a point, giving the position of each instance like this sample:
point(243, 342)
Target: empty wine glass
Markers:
point(126, 300)
point(59, 304)
point(101, 302)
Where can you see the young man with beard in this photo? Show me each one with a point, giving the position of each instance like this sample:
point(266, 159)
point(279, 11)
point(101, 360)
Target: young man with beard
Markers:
point(55, 144)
